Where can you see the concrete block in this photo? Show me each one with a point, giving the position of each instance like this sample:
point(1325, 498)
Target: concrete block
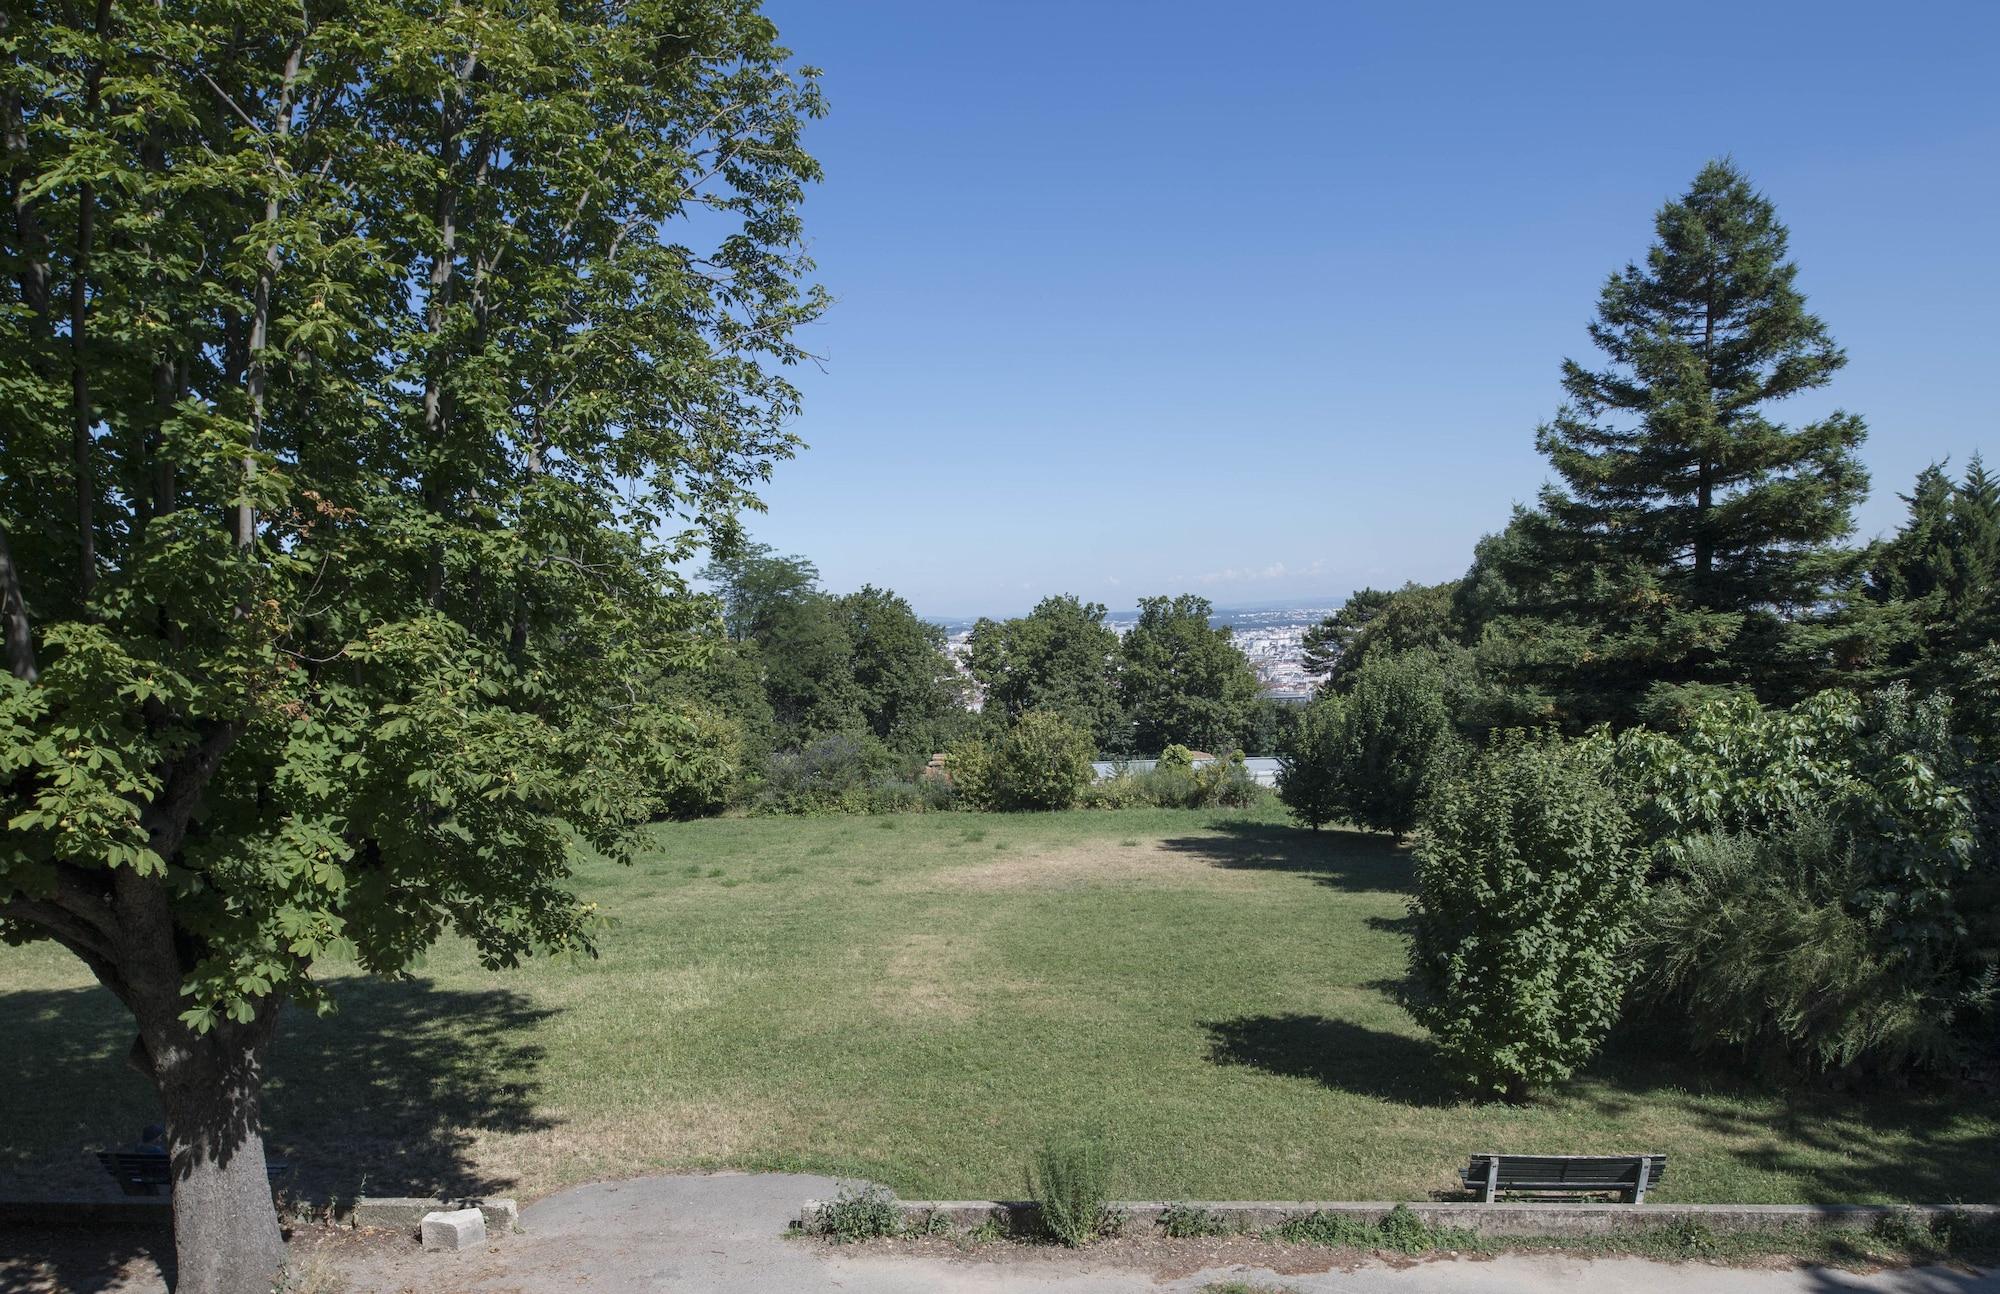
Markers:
point(406, 1213)
point(453, 1231)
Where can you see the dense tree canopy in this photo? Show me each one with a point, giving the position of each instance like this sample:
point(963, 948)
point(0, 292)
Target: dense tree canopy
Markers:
point(1060, 657)
point(1184, 681)
point(365, 382)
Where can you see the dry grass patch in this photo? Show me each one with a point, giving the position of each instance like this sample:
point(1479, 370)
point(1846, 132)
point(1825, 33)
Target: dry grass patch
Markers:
point(1098, 863)
point(650, 1137)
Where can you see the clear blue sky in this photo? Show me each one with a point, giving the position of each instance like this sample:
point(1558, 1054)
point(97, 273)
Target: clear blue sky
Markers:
point(1266, 301)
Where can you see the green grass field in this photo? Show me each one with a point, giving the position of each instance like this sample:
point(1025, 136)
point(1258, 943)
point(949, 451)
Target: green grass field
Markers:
point(921, 1000)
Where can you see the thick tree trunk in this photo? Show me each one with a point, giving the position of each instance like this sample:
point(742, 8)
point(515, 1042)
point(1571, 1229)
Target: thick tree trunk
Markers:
point(226, 1233)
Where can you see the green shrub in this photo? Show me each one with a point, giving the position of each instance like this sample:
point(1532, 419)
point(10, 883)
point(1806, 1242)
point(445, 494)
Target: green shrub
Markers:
point(1826, 902)
point(832, 774)
point(1121, 791)
point(1192, 1222)
point(1528, 886)
point(1309, 763)
point(1753, 939)
point(1070, 1182)
point(866, 1214)
point(1041, 762)
point(1176, 757)
point(693, 754)
point(1370, 755)
point(1336, 1230)
point(1220, 783)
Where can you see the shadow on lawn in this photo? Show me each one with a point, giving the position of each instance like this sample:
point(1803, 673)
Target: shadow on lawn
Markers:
point(1334, 1053)
point(384, 1097)
point(83, 1261)
point(1347, 860)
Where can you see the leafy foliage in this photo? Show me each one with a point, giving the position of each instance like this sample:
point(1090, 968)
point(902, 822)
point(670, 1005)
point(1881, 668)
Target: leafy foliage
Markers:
point(1312, 766)
point(366, 381)
point(870, 1213)
point(1372, 755)
point(1184, 682)
point(1528, 886)
point(1042, 762)
point(1070, 1182)
point(1060, 657)
point(1827, 898)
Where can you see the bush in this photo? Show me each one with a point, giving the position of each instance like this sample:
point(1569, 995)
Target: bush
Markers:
point(1042, 762)
point(1755, 942)
point(867, 1214)
point(1528, 886)
point(834, 774)
point(1192, 1222)
point(1070, 1181)
point(1824, 905)
point(694, 755)
point(1222, 783)
point(1400, 1230)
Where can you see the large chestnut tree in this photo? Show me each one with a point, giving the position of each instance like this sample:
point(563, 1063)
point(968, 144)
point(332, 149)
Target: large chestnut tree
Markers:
point(367, 366)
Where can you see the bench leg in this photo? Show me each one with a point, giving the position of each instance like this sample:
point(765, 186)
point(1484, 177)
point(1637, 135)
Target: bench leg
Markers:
point(1493, 1179)
point(1645, 1171)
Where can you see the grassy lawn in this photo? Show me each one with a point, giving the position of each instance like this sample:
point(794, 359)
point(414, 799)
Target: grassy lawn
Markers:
point(921, 1000)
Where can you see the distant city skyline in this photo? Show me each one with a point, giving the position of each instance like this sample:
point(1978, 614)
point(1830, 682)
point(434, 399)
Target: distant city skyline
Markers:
point(1152, 300)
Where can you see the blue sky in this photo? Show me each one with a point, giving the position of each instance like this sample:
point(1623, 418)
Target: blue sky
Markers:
point(1266, 301)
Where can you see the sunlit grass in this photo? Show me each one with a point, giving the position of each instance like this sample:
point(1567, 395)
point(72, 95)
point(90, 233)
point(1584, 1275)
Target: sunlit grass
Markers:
point(923, 1000)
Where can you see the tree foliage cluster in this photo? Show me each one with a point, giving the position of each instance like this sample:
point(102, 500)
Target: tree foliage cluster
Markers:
point(1174, 677)
point(1794, 736)
point(834, 693)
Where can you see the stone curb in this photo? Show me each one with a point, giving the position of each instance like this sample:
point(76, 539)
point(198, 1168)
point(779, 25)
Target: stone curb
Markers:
point(1482, 1219)
point(393, 1213)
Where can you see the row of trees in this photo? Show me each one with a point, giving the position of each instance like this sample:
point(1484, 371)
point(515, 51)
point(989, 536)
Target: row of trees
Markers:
point(1672, 734)
point(1173, 679)
point(819, 701)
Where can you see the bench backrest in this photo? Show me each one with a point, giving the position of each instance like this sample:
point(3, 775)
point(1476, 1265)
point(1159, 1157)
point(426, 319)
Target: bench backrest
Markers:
point(1569, 1172)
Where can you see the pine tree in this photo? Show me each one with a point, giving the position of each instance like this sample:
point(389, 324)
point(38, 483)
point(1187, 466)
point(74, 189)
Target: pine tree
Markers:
point(1691, 535)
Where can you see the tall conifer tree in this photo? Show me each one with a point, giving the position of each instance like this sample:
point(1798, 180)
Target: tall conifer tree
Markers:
point(1692, 535)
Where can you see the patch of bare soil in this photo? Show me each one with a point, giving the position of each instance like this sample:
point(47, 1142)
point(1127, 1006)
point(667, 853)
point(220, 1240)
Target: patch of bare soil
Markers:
point(1164, 1258)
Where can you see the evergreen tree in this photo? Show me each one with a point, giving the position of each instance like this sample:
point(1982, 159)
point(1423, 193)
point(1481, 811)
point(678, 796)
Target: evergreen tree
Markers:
point(1323, 645)
point(1692, 537)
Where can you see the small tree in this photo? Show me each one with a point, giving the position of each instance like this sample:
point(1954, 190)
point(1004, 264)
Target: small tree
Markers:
point(1309, 764)
point(1528, 884)
point(1396, 741)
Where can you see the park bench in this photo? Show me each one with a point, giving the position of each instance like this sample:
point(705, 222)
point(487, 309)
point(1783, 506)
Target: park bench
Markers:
point(144, 1173)
point(1628, 1175)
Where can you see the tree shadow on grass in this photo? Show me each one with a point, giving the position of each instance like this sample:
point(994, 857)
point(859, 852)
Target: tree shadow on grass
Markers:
point(387, 1096)
point(1925, 1141)
point(1356, 861)
point(1336, 1054)
point(77, 1261)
